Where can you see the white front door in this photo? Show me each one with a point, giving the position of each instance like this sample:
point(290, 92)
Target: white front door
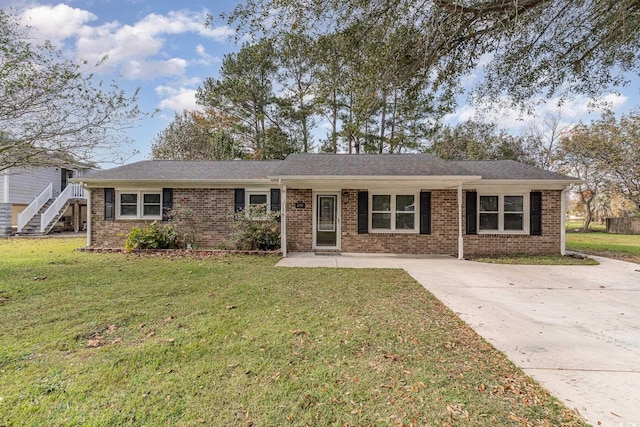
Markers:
point(326, 221)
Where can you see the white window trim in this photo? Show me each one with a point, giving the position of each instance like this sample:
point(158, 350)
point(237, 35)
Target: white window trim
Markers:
point(501, 212)
point(140, 204)
point(250, 193)
point(416, 217)
point(247, 198)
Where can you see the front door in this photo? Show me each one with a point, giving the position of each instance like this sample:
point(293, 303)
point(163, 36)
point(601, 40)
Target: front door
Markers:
point(327, 221)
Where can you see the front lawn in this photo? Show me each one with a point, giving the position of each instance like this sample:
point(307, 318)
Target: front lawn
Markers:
point(114, 339)
point(605, 244)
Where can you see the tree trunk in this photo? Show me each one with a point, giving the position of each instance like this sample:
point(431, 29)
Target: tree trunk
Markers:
point(587, 215)
point(334, 123)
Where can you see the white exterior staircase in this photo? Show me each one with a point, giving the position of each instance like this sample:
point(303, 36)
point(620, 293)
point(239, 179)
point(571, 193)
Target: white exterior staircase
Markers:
point(44, 212)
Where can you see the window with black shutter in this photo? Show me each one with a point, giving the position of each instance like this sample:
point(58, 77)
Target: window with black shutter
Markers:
point(109, 204)
point(472, 212)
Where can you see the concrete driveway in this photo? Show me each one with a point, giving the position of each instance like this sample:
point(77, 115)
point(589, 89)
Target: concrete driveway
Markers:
point(575, 329)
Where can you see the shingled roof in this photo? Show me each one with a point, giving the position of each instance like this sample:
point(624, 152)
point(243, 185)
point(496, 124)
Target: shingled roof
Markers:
point(323, 166)
point(328, 165)
point(507, 169)
point(188, 170)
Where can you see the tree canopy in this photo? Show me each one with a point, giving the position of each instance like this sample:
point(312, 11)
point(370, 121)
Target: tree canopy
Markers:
point(51, 111)
point(532, 46)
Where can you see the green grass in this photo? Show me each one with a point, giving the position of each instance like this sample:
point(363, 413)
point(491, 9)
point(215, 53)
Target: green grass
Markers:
point(577, 226)
point(605, 244)
point(538, 260)
point(114, 339)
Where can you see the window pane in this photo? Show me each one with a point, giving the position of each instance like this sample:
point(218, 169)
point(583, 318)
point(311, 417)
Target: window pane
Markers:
point(129, 198)
point(151, 198)
point(405, 221)
point(381, 203)
point(488, 221)
point(257, 199)
point(128, 210)
point(513, 204)
point(151, 210)
point(489, 203)
point(513, 221)
point(405, 203)
point(381, 221)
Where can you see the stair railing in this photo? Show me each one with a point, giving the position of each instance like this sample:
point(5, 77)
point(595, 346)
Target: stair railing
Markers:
point(25, 216)
point(72, 191)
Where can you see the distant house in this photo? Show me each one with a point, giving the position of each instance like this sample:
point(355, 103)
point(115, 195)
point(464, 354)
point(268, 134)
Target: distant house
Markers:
point(36, 200)
point(405, 203)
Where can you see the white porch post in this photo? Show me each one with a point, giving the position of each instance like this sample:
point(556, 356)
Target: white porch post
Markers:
point(460, 238)
point(563, 217)
point(283, 220)
point(5, 197)
point(88, 191)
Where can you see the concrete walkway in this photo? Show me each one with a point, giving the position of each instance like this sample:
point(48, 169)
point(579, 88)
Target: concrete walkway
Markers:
point(575, 329)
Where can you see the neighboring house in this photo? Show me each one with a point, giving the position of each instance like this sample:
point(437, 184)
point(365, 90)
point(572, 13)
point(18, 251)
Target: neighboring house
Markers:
point(42, 194)
point(404, 203)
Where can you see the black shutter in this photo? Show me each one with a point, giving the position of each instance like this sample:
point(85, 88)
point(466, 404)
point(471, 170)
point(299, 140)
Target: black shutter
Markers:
point(167, 203)
point(472, 212)
point(363, 212)
point(109, 204)
point(239, 200)
point(275, 199)
point(425, 212)
point(535, 218)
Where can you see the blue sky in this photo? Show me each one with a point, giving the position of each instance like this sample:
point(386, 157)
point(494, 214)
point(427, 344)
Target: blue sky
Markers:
point(163, 48)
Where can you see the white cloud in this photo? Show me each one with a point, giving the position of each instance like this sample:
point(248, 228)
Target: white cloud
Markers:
point(177, 99)
point(56, 23)
point(205, 58)
point(580, 108)
point(135, 50)
point(151, 69)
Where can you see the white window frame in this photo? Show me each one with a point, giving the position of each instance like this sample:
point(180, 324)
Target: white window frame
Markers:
point(139, 204)
point(247, 199)
point(393, 212)
point(501, 212)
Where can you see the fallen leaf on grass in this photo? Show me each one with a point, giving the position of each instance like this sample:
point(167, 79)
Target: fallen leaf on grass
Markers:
point(391, 357)
point(298, 332)
point(151, 333)
point(40, 278)
point(110, 329)
point(94, 343)
point(230, 307)
point(168, 319)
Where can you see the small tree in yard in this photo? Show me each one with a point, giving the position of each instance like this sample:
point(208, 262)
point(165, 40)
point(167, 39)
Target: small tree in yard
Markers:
point(51, 111)
point(581, 158)
point(256, 229)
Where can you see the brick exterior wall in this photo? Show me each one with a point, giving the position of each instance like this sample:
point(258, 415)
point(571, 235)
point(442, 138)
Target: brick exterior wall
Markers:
point(210, 227)
point(442, 240)
point(299, 221)
point(444, 229)
point(212, 210)
point(504, 244)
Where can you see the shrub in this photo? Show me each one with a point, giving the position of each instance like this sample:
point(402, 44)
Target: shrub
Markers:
point(256, 229)
point(151, 237)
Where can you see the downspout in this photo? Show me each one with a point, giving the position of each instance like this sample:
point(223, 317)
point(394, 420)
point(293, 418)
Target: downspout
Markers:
point(563, 218)
point(283, 218)
point(460, 238)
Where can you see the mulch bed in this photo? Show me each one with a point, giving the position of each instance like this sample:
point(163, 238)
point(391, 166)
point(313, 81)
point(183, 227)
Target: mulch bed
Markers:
point(178, 253)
